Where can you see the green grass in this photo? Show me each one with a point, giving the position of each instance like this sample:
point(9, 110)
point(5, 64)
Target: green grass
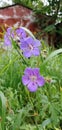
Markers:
point(41, 110)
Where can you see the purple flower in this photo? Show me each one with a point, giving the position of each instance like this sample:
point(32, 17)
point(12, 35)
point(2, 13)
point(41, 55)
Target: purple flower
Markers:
point(32, 79)
point(16, 35)
point(30, 47)
point(7, 37)
point(10, 32)
point(20, 33)
point(7, 41)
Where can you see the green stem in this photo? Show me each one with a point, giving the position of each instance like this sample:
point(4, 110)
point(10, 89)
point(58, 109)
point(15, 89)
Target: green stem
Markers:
point(27, 92)
point(17, 48)
point(0, 127)
point(24, 61)
point(5, 67)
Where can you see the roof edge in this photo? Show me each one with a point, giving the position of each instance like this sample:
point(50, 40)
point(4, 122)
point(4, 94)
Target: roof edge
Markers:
point(8, 6)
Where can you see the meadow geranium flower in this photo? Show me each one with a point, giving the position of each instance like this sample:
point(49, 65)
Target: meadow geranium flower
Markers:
point(32, 79)
point(7, 41)
point(30, 47)
point(20, 33)
point(7, 37)
point(16, 35)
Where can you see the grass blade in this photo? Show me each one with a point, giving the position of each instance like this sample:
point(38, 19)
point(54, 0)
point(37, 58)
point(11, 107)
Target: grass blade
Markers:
point(54, 53)
point(2, 109)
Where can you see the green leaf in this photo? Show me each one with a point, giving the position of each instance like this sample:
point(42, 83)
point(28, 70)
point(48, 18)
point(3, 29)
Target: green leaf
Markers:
point(54, 113)
point(54, 53)
point(46, 122)
point(6, 66)
point(18, 120)
point(50, 28)
point(2, 109)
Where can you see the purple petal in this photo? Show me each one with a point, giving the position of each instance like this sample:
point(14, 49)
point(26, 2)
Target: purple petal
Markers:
point(7, 41)
point(29, 40)
point(9, 30)
point(23, 46)
point(21, 33)
point(37, 43)
point(28, 71)
point(35, 52)
point(32, 87)
point(5, 36)
point(27, 54)
point(35, 71)
point(12, 34)
point(40, 81)
point(25, 79)
point(22, 40)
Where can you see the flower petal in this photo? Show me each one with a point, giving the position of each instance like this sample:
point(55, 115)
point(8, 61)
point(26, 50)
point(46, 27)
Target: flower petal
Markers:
point(23, 46)
point(28, 71)
point(21, 32)
point(9, 30)
point(7, 41)
point(35, 71)
point(29, 40)
point(25, 79)
point(36, 51)
point(37, 43)
point(27, 54)
point(40, 81)
point(32, 87)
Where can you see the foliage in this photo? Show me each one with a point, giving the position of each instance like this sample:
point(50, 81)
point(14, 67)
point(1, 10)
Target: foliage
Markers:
point(21, 109)
point(2, 110)
point(53, 8)
point(48, 16)
point(30, 3)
